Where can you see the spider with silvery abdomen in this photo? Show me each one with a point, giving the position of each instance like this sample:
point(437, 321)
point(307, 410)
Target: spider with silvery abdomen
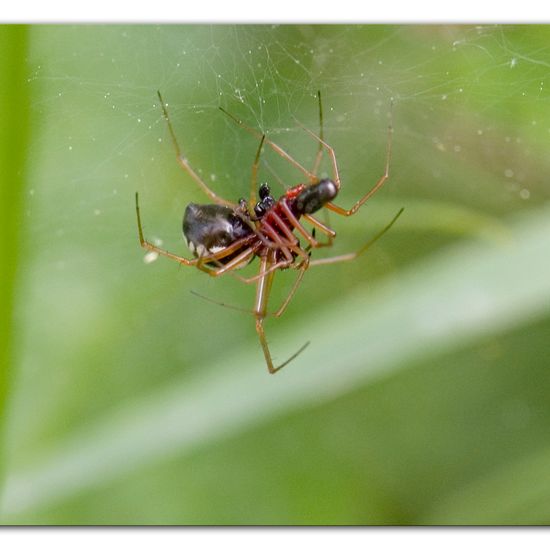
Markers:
point(225, 236)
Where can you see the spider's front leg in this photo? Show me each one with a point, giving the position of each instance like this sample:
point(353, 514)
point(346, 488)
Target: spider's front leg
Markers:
point(196, 262)
point(153, 248)
point(336, 175)
point(184, 163)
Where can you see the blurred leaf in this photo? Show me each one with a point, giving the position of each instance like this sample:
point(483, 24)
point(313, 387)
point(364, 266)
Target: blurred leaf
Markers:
point(136, 402)
point(516, 494)
point(430, 216)
point(420, 312)
point(13, 143)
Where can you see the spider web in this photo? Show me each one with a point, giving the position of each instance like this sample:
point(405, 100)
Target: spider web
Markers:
point(470, 132)
point(97, 102)
point(465, 96)
point(468, 100)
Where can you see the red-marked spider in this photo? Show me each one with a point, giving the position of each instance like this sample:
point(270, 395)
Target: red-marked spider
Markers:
point(225, 236)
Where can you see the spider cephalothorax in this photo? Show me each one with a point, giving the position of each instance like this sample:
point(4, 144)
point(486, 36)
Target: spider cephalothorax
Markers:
point(313, 197)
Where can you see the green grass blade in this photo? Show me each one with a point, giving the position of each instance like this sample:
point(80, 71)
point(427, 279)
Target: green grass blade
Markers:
point(515, 494)
point(13, 140)
point(453, 298)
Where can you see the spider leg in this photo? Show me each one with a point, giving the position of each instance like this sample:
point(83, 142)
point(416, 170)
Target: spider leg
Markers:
point(263, 289)
point(184, 163)
point(364, 248)
point(198, 262)
point(323, 227)
point(292, 241)
point(153, 248)
point(227, 267)
point(293, 220)
point(278, 312)
point(282, 264)
point(287, 248)
point(330, 151)
point(336, 174)
point(330, 233)
point(319, 154)
point(222, 304)
point(277, 244)
point(279, 150)
point(254, 178)
point(377, 185)
point(302, 269)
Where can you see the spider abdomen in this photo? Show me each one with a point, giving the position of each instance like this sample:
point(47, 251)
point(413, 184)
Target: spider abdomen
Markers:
point(210, 228)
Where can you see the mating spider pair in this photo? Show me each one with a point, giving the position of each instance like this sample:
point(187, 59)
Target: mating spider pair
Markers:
point(225, 236)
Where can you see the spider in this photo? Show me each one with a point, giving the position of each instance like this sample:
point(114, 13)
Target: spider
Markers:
point(225, 236)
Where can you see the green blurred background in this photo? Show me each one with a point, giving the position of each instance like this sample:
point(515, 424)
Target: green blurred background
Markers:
point(424, 395)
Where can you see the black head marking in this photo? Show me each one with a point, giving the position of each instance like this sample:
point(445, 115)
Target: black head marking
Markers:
point(266, 201)
point(264, 191)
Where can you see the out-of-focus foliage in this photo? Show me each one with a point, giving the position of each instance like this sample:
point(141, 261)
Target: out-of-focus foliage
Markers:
point(423, 397)
point(13, 136)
